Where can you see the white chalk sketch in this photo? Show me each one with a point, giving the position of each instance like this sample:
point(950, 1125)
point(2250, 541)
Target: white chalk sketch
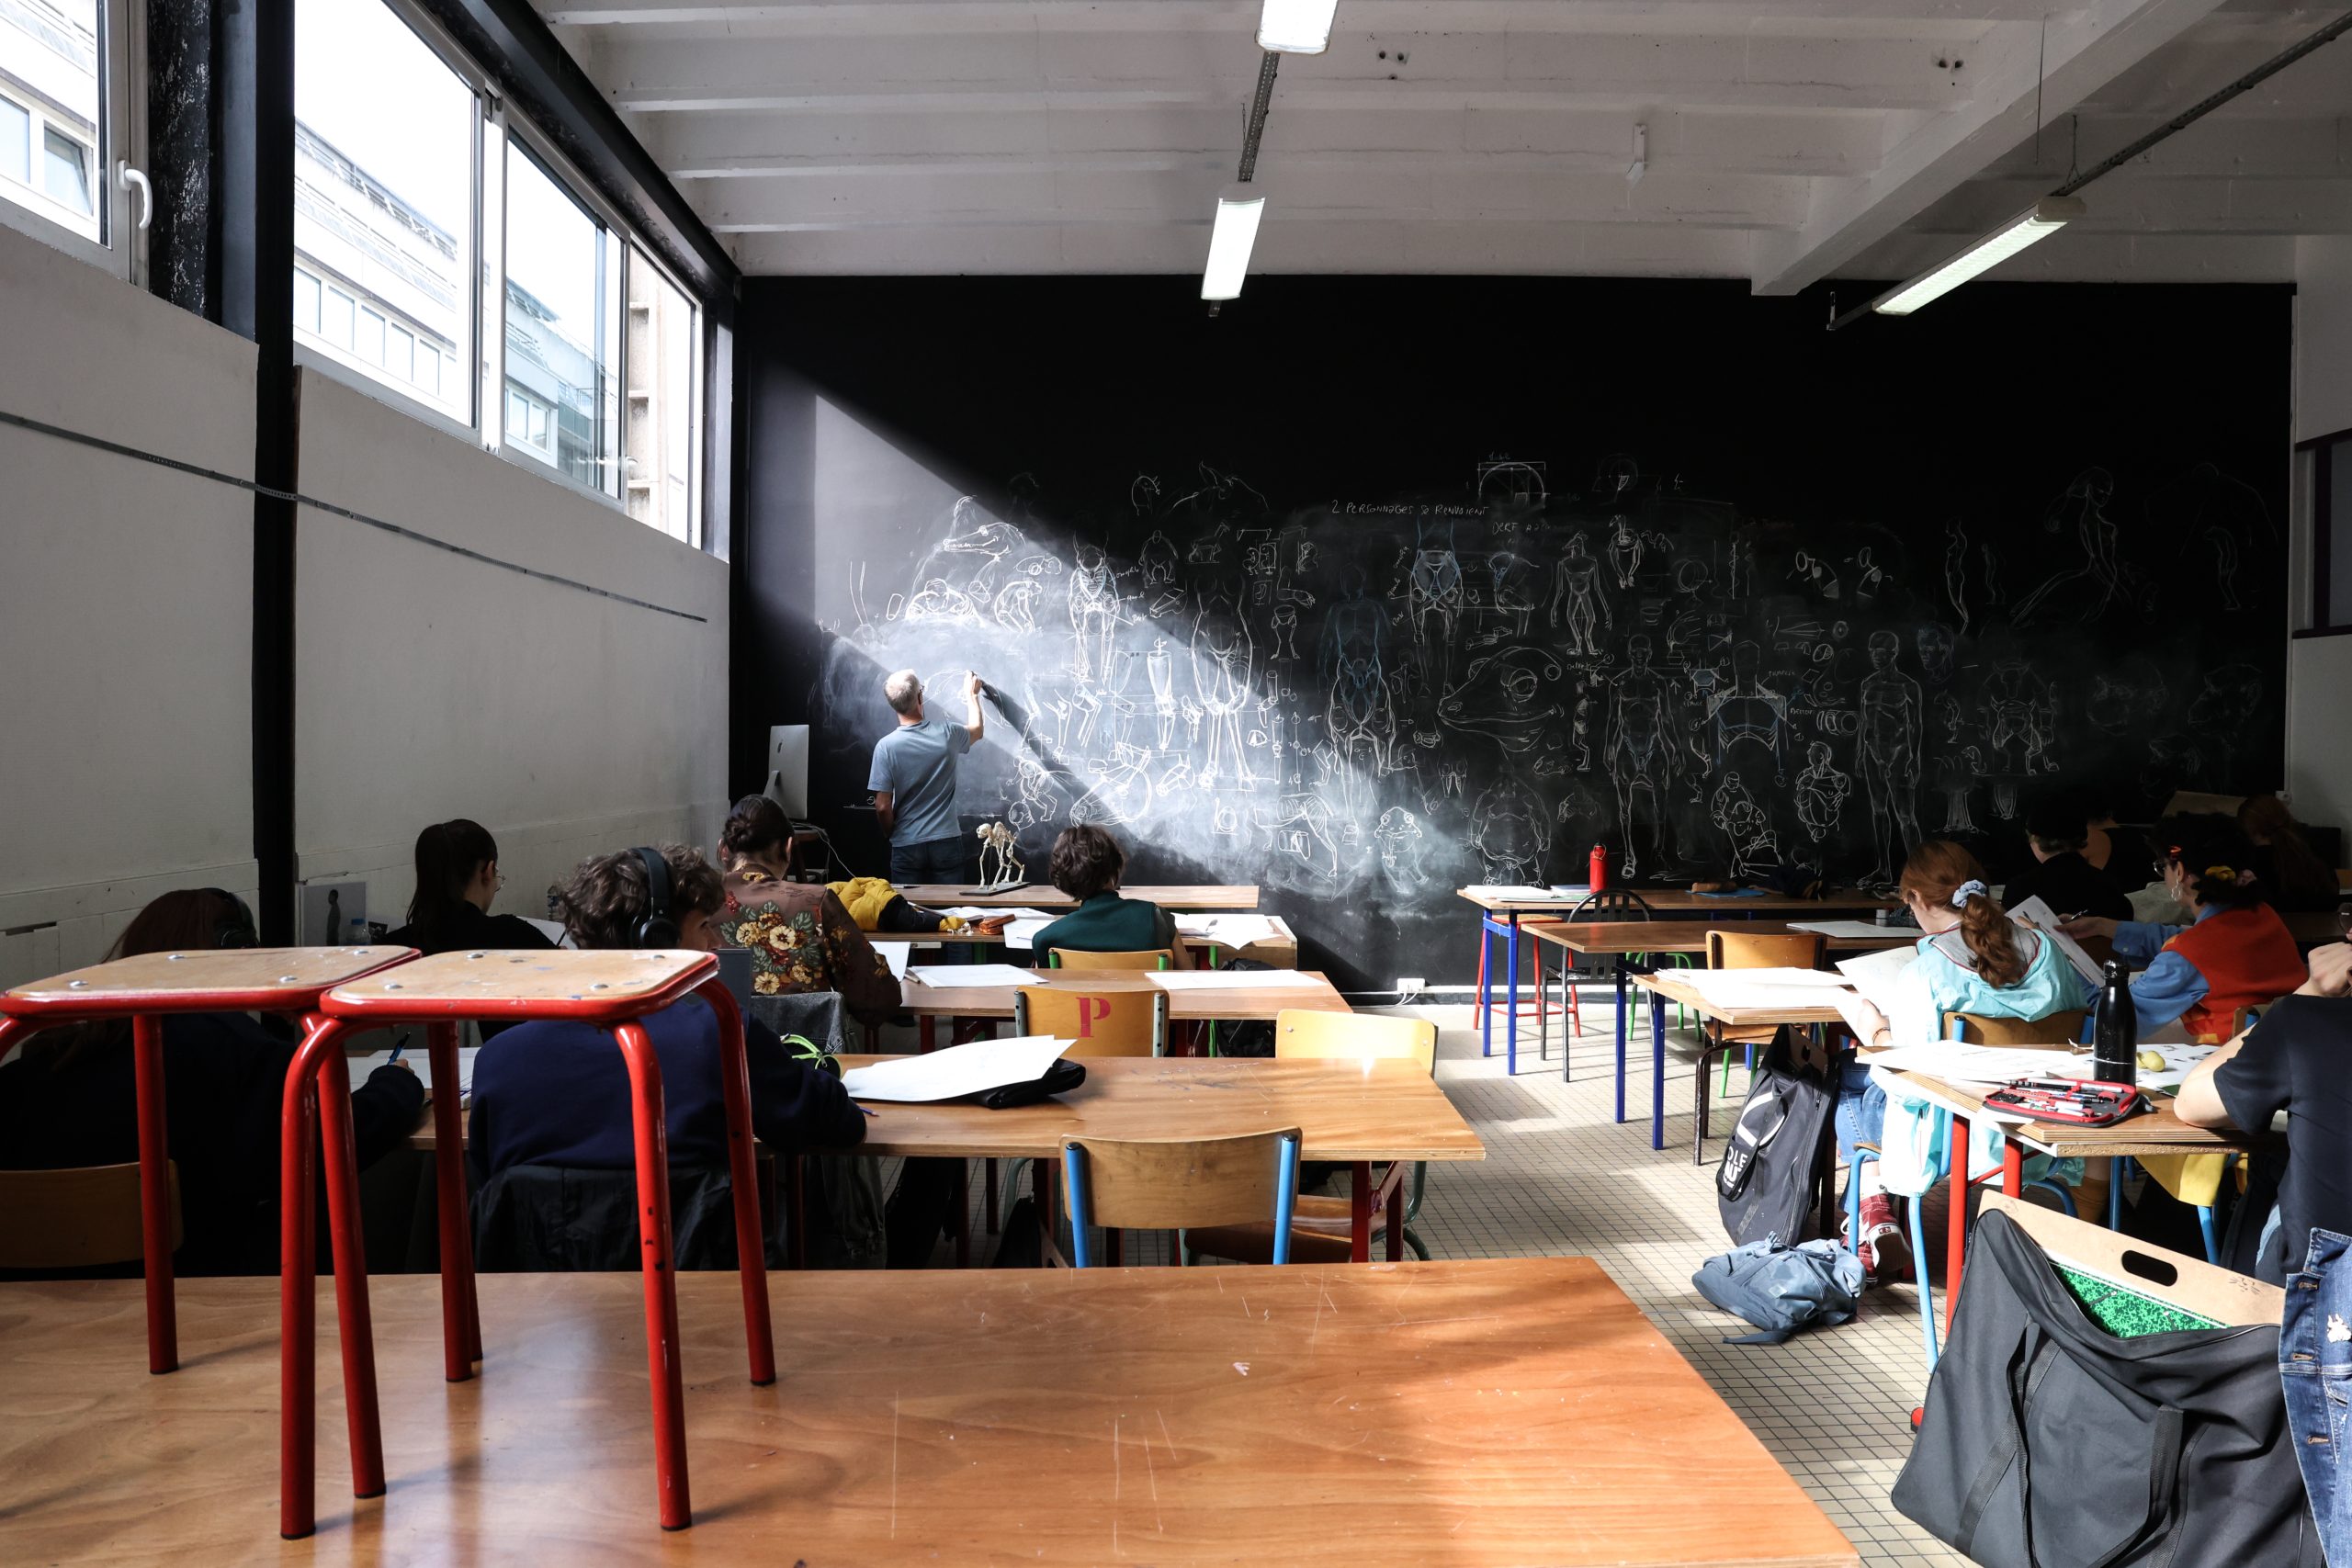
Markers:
point(1512, 695)
point(1433, 606)
point(1816, 576)
point(1956, 775)
point(1748, 712)
point(1821, 792)
point(1887, 755)
point(2087, 592)
point(1511, 832)
point(1577, 601)
point(1640, 756)
point(1402, 849)
point(1755, 846)
point(1223, 672)
point(1956, 569)
point(1624, 550)
point(2019, 719)
point(1937, 647)
point(1504, 482)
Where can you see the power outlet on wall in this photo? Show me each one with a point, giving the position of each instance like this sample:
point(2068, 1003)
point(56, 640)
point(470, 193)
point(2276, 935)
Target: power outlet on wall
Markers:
point(1409, 986)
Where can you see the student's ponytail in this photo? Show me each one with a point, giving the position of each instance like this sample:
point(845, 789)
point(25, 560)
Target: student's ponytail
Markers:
point(1941, 871)
point(448, 856)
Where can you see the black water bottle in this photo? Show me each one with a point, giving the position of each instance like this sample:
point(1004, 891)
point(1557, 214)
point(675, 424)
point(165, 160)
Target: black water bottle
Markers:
point(2115, 1030)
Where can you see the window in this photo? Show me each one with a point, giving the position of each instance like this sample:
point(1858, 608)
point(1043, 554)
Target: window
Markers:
point(384, 154)
point(560, 353)
point(64, 103)
point(306, 302)
point(663, 381)
point(2332, 533)
point(338, 328)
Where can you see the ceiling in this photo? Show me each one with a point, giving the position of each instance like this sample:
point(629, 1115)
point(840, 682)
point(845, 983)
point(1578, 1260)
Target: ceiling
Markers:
point(1788, 140)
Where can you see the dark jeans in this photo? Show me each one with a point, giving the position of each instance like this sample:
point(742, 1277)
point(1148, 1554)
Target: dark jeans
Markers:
point(2315, 1366)
point(933, 860)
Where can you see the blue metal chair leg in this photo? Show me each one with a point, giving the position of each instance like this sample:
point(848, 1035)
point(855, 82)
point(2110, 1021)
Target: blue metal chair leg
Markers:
point(2205, 1225)
point(1919, 1268)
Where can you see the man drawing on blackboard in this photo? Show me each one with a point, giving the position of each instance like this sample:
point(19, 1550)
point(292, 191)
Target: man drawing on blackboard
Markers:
point(913, 781)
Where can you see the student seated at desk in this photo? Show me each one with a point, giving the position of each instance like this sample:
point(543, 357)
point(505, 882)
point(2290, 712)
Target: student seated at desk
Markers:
point(1086, 865)
point(457, 878)
point(2289, 868)
point(555, 1094)
point(2292, 1060)
point(71, 1098)
point(799, 937)
point(2237, 953)
point(1974, 958)
point(2057, 832)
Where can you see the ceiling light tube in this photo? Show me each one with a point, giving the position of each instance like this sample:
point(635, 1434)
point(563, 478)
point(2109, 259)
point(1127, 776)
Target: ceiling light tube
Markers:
point(1297, 26)
point(2041, 220)
point(1238, 213)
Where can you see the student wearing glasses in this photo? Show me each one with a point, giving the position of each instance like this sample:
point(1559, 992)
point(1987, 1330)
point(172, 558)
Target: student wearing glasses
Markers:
point(457, 881)
point(2236, 953)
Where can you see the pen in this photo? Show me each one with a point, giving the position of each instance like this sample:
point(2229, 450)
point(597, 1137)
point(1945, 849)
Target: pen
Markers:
point(868, 1112)
point(396, 1053)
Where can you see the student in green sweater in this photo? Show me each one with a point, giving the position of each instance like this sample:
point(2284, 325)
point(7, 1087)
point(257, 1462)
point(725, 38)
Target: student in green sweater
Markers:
point(1086, 864)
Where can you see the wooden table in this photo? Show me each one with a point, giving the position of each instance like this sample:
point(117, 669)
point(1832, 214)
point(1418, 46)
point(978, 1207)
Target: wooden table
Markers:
point(1240, 899)
point(1506, 918)
point(1469, 1413)
point(1279, 951)
point(1668, 986)
point(931, 1003)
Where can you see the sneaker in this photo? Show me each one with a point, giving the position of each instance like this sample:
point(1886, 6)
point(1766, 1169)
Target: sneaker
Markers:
point(1884, 1252)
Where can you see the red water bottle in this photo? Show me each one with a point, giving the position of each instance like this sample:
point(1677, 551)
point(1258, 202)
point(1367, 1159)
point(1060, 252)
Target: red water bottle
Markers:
point(1600, 871)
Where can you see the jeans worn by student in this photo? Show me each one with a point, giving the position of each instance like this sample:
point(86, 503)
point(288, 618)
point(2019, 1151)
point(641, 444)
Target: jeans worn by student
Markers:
point(2315, 1366)
point(932, 861)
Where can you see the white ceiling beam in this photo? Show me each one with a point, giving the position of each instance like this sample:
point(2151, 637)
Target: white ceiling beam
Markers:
point(2241, 146)
point(2082, 51)
point(2180, 205)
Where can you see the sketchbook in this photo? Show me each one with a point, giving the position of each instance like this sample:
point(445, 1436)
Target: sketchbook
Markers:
point(2044, 920)
point(1875, 974)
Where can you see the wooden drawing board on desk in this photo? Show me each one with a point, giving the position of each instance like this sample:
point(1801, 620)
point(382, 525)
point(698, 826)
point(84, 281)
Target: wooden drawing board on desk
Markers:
point(2174, 1280)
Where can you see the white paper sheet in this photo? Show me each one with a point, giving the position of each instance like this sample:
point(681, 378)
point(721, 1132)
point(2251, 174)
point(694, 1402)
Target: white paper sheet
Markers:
point(1875, 974)
point(1224, 979)
point(2179, 1060)
point(1517, 893)
point(1863, 929)
point(1228, 930)
point(1765, 987)
point(2045, 920)
point(422, 1060)
point(975, 913)
point(959, 1070)
point(1957, 1062)
point(1022, 932)
point(964, 977)
point(896, 955)
point(1772, 975)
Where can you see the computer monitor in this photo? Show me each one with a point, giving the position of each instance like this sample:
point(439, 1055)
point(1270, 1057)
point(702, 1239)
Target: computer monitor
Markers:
point(788, 769)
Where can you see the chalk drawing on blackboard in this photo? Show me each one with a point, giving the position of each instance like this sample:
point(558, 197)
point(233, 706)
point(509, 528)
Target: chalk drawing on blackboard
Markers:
point(1956, 775)
point(1748, 712)
point(1509, 695)
point(1956, 568)
point(1870, 577)
point(1224, 672)
point(1451, 774)
point(1818, 577)
point(1094, 611)
point(1209, 549)
point(1402, 849)
point(2225, 704)
point(2126, 695)
point(1820, 791)
point(1299, 834)
point(1936, 645)
point(1690, 577)
point(2086, 593)
point(1516, 588)
point(1504, 482)
point(1624, 549)
point(1157, 560)
point(2020, 718)
point(1639, 754)
point(1577, 601)
point(1144, 495)
point(1511, 832)
point(1614, 477)
point(1887, 755)
point(1755, 846)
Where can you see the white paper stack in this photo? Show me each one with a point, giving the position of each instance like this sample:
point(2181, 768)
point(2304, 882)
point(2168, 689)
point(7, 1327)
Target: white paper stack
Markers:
point(1023, 931)
point(975, 913)
point(1875, 975)
point(1224, 979)
point(957, 1071)
point(1957, 1062)
point(422, 1060)
point(1228, 930)
point(1773, 988)
point(967, 976)
point(896, 953)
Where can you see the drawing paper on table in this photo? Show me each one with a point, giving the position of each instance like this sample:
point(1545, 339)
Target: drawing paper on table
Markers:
point(896, 953)
point(1875, 974)
point(969, 976)
point(1224, 979)
point(1517, 893)
point(1023, 933)
point(422, 1060)
point(1228, 930)
point(957, 1071)
point(2045, 920)
point(1864, 929)
point(1955, 1061)
point(1766, 988)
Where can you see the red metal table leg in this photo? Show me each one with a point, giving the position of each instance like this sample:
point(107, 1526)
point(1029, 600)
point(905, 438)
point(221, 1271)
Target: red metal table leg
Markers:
point(155, 1195)
point(356, 1329)
point(297, 1374)
point(1395, 1213)
point(460, 1332)
point(1956, 1226)
point(742, 1164)
point(1360, 1214)
point(661, 1284)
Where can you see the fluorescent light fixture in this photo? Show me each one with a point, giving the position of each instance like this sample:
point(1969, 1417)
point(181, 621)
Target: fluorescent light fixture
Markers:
point(2041, 220)
point(1230, 242)
point(1297, 26)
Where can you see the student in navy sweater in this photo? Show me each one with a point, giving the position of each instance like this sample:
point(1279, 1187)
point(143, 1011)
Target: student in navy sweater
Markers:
point(557, 1093)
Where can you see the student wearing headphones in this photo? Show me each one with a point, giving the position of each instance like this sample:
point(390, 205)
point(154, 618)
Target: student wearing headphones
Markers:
point(556, 1093)
point(71, 1098)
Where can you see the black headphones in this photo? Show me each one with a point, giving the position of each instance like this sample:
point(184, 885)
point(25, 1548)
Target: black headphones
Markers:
point(237, 928)
point(660, 928)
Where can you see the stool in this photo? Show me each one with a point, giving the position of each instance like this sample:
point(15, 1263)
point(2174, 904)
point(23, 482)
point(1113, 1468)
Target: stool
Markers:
point(143, 989)
point(611, 989)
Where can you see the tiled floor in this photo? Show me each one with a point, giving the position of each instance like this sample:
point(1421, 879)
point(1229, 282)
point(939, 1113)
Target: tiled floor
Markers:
point(1561, 1178)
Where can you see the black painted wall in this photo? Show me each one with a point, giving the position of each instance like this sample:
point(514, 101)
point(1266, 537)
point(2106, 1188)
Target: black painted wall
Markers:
point(1372, 588)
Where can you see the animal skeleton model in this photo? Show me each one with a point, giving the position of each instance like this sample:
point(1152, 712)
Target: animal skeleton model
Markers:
point(1000, 855)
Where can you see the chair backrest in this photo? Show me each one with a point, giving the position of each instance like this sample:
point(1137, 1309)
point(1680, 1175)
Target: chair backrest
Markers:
point(1073, 958)
point(1154, 1184)
point(1610, 904)
point(815, 1016)
point(1356, 1036)
point(1105, 1023)
point(1751, 950)
point(2057, 1029)
point(81, 1217)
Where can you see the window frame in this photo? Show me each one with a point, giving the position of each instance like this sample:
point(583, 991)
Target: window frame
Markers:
point(633, 255)
point(2321, 617)
point(120, 247)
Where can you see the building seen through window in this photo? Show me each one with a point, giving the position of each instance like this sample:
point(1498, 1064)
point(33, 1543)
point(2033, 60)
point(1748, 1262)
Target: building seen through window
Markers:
point(52, 82)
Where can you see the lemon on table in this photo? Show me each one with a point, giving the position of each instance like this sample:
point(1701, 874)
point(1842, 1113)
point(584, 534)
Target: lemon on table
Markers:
point(2153, 1061)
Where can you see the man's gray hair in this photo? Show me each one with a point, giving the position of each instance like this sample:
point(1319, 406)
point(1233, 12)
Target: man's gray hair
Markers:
point(903, 689)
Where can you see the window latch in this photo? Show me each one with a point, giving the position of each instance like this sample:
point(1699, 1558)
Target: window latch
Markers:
point(129, 178)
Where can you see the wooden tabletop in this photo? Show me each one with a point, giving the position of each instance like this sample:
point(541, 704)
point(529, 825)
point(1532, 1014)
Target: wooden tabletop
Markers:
point(1690, 936)
point(1344, 1111)
point(1315, 994)
point(1205, 899)
point(1467, 1415)
point(1836, 902)
point(1669, 984)
point(2157, 1131)
point(204, 978)
point(486, 982)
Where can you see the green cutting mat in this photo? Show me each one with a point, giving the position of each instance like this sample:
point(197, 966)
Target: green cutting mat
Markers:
point(2125, 1313)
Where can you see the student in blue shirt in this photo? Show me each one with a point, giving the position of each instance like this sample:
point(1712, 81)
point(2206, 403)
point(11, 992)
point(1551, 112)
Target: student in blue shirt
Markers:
point(913, 781)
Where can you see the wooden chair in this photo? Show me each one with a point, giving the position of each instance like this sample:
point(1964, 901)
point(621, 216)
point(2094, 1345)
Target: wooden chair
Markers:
point(1321, 1229)
point(81, 1217)
point(1105, 1023)
point(1746, 950)
point(1153, 1184)
point(1976, 1029)
point(1073, 958)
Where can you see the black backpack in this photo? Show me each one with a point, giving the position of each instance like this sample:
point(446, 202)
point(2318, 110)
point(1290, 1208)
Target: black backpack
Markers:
point(1765, 1187)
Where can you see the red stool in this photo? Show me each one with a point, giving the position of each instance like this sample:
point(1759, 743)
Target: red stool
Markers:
point(286, 981)
point(612, 990)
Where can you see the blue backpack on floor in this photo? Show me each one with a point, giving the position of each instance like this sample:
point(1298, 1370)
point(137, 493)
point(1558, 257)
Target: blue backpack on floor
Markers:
point(1782, 1289)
